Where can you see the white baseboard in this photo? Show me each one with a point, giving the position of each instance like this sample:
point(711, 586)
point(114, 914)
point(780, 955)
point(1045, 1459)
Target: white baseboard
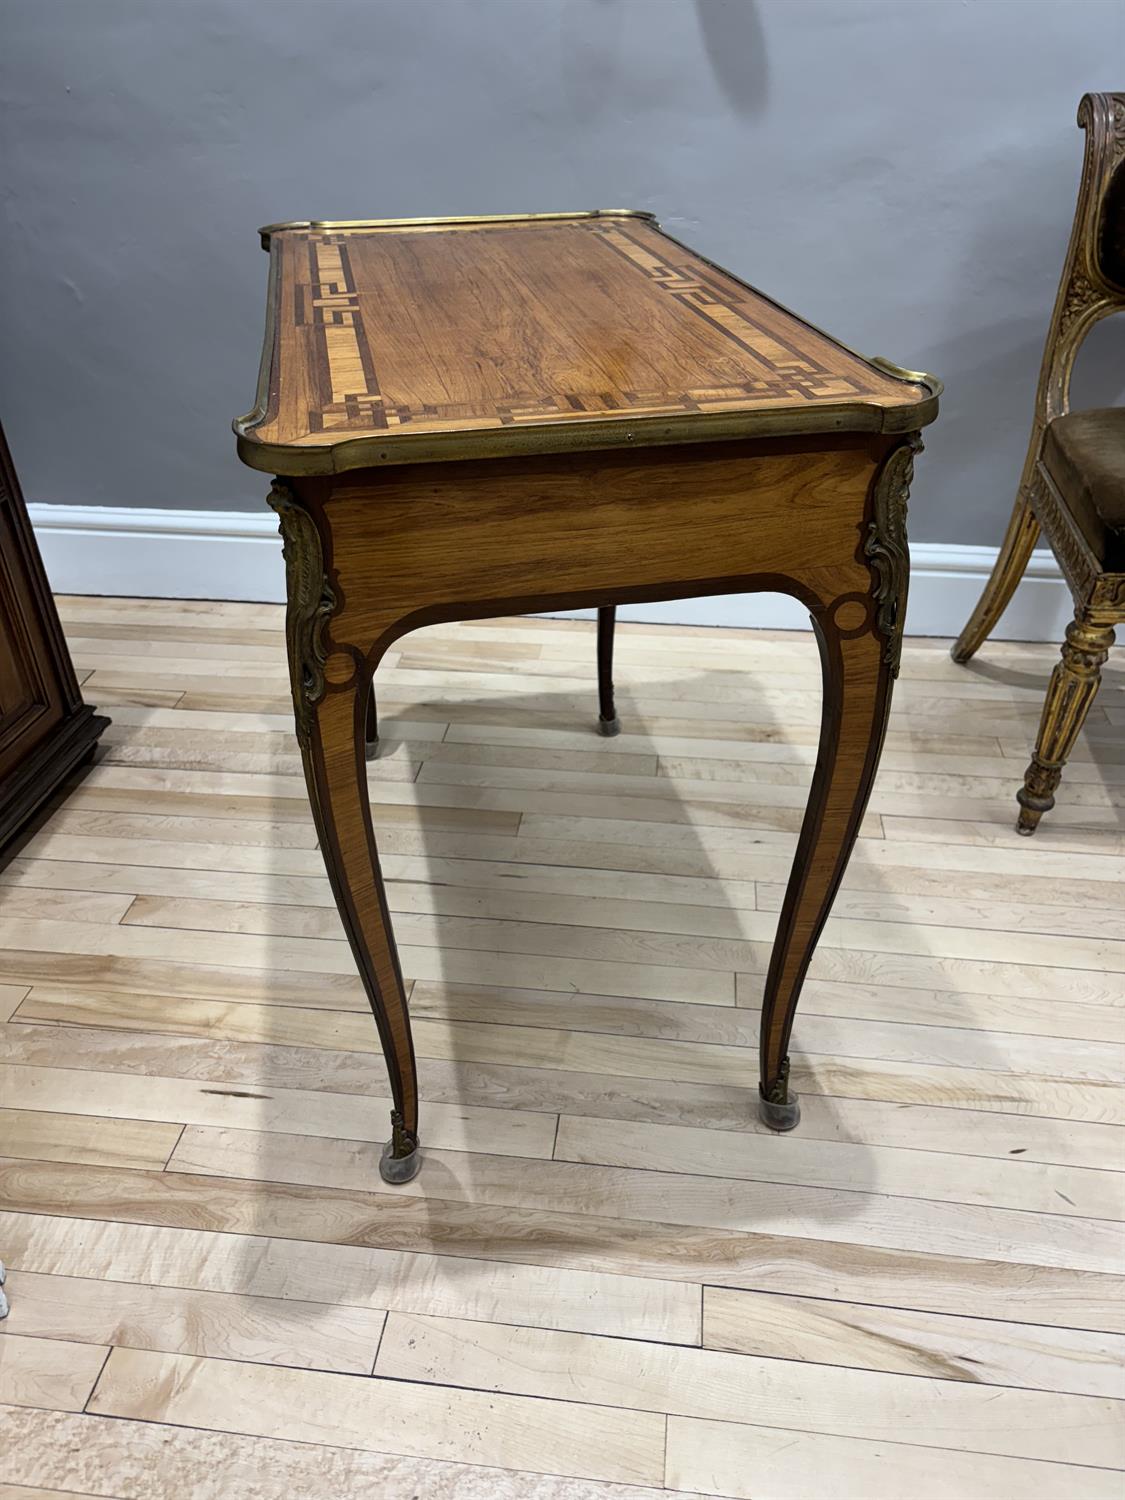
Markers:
point(205, 554)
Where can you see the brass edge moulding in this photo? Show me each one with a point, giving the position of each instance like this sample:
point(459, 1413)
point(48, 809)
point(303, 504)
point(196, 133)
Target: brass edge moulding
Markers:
point(267, 230)
point(376, 451)
point(257, 412)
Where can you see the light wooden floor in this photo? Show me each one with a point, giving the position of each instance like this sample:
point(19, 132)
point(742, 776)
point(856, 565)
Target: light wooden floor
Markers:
point(608, 1278)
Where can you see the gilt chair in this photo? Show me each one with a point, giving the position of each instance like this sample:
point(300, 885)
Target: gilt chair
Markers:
point(1073, 484)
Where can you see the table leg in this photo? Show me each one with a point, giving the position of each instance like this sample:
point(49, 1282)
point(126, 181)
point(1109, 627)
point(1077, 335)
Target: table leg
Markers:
point(331, 700)
point(371, 728)
point(860, 644)
point(856, 698)
point(608, 722)
point(335, 768)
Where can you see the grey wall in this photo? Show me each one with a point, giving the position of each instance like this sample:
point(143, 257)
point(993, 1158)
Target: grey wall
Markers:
point(901, 171)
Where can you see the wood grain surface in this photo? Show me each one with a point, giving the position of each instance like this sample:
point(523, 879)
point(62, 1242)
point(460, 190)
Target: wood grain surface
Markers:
point(390, 341)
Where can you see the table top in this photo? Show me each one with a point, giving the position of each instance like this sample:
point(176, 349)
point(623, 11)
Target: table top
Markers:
point(416, 340)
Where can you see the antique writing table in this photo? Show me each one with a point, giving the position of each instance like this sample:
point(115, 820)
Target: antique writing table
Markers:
point(480, 417)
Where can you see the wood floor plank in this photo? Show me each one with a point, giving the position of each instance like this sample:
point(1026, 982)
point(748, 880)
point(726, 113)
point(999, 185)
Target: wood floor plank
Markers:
point(852, 1216)
point(619, 1057)
point(220, 808)
point(954, 1088)
point(744, 1462)
point(50, 1373)
point(60, 976)
point(557, 1437)
point(616, 1374)
point(28, 1492)
point(1077, 833)
point(243, 721)
point(269, 1064)
point(556, 1236)
point(479, 964)
point(10, 997)
point(679, 736)
point(941, 1176)
point(235, 1020)
point(860, 1336)
point(43, 1135)
point(269, 1330)
point(148, 1461)
point(935, 910)
point(63, 905)
point(906, 769)
point(904, 793)
point(958, 1043)
point(457, 920)
point(289, 1271)
point(282, 1112)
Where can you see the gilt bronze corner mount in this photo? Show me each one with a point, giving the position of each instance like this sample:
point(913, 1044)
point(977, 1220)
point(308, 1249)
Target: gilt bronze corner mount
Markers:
point(311, 602)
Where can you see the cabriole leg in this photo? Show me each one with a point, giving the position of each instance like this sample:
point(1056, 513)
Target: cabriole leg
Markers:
point(331, 701)
point(857, 684)
point(336, 771)
point(1073, 687)
point(860, 647)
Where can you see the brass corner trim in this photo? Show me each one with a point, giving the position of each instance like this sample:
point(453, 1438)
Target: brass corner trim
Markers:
point(311, 603)
point(886, 549)
point(935, 386)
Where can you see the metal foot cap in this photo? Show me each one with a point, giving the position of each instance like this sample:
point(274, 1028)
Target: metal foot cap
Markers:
point(779, 1116)
point(371, 749)
point(399, 1169)
point(609, 727)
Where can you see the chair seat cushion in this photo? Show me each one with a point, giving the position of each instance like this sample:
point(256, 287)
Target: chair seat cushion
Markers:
point(1084, 453)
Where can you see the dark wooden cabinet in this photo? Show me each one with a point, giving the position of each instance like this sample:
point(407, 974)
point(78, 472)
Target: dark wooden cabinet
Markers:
point(45, 728)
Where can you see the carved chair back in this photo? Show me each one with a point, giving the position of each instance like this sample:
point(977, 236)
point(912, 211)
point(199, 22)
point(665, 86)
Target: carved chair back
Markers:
point(1093, 277)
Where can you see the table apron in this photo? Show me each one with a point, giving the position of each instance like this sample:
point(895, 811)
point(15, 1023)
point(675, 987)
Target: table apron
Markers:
point(445, 542)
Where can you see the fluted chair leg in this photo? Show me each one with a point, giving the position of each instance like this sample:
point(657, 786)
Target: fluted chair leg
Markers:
point(1074, 685)
point(1020, 538)
point(608, 722)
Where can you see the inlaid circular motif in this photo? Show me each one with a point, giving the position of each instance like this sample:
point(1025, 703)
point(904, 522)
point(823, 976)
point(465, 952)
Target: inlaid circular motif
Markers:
point(339, 669)
point(850, 614)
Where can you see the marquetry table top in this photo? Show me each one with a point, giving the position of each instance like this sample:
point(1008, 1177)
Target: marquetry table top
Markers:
point(402, 341)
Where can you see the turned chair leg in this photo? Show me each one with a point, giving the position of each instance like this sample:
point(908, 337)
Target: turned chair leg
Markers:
point(1019, 539)
point(1073, 687)
point(608, 722)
